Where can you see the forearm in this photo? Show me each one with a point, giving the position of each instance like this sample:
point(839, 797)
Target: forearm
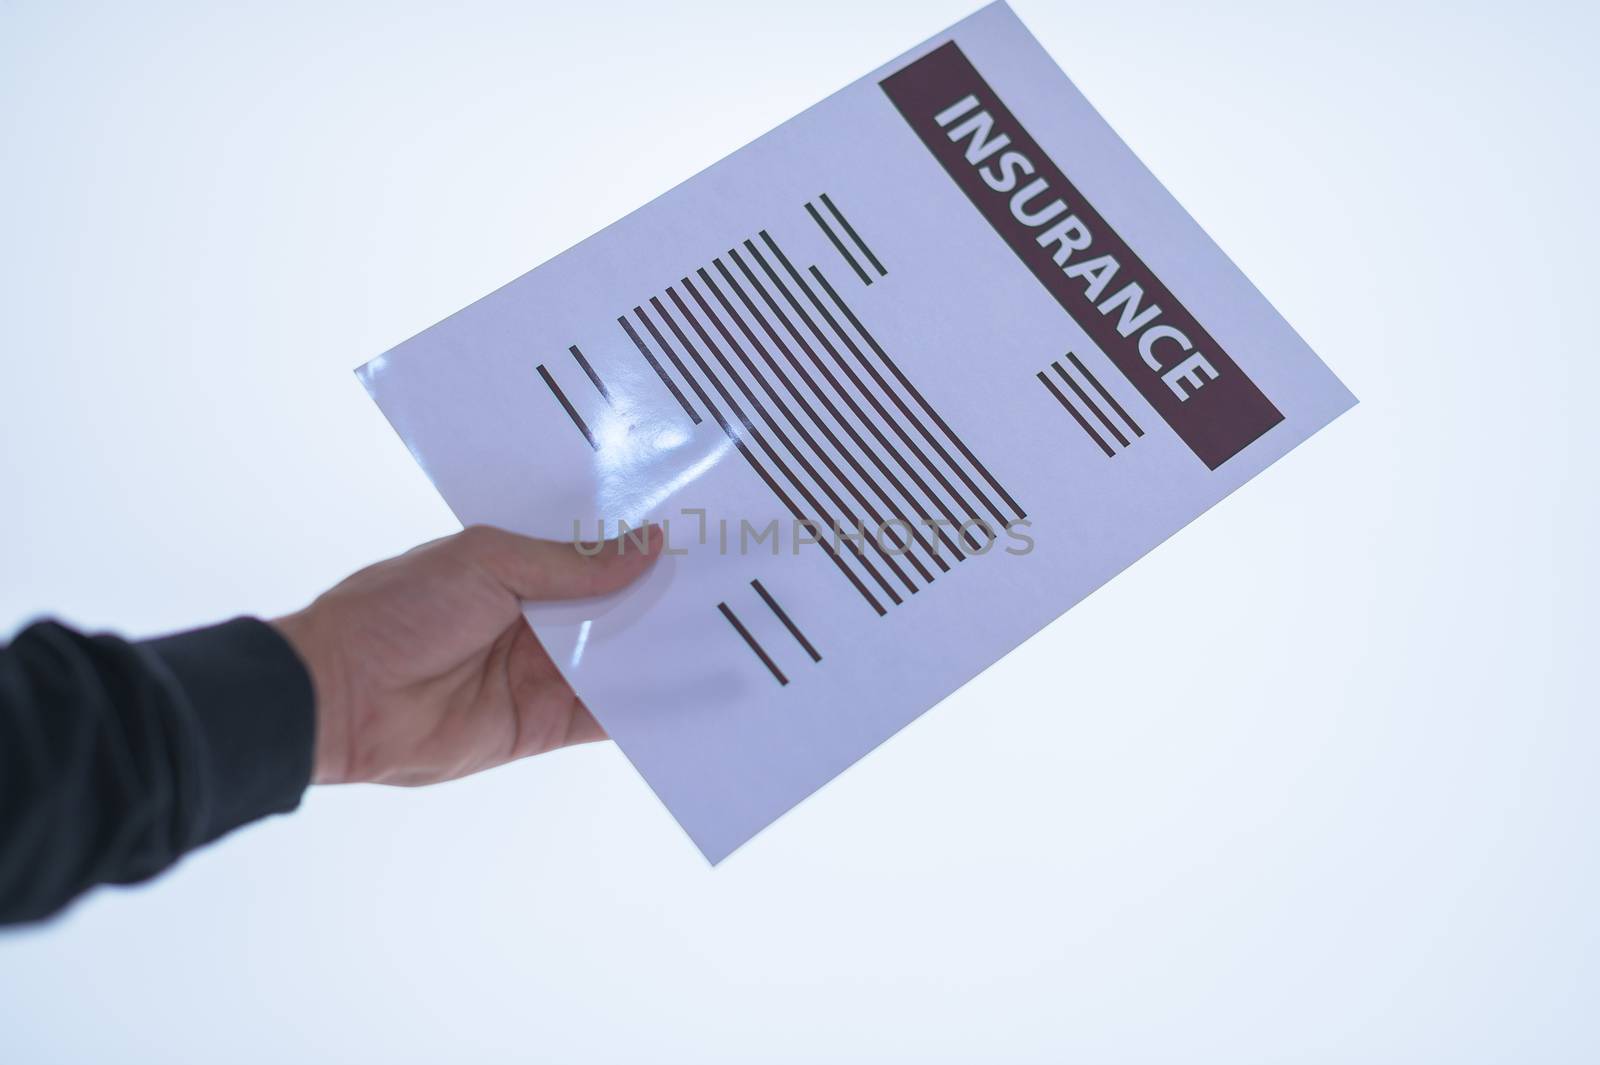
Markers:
point(116, 758)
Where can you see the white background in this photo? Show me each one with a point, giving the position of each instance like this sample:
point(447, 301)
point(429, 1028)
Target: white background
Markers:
point(1314, 781)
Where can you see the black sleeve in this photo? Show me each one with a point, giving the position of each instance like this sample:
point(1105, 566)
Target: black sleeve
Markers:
point(118, 757)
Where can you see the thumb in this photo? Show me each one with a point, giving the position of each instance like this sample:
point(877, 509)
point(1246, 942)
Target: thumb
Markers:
point(551, 569)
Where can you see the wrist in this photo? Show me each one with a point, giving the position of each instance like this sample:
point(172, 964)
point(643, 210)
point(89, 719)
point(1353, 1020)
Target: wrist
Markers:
point(330, 758)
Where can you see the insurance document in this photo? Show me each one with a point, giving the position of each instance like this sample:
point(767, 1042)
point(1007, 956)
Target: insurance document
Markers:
point(904, 380)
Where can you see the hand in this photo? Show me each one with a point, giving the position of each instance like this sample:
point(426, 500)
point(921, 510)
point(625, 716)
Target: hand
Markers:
point(424, 668)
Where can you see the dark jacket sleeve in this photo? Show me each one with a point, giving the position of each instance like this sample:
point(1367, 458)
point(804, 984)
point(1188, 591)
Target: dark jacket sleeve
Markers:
point(118, 757)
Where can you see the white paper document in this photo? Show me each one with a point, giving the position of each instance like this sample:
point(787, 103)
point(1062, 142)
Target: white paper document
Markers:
point(905, 378)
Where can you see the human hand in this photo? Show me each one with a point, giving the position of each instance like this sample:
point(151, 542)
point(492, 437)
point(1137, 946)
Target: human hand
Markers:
point(424, 668)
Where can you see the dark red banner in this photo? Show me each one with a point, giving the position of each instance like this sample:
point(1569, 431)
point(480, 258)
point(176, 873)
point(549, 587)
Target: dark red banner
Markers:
point(1166, 354)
